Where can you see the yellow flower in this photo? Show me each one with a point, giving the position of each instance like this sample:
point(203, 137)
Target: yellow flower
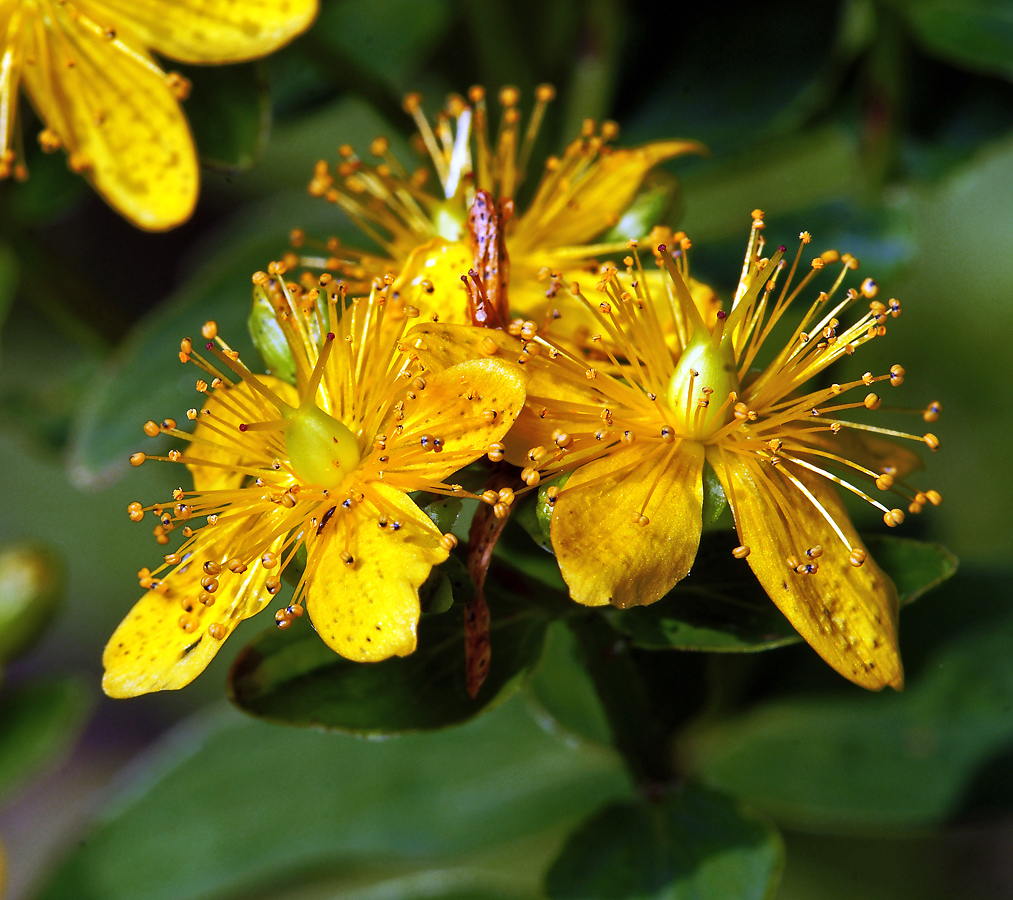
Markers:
point(435, 238)
point(634, 423)
point(87, 69)
point(324, 468)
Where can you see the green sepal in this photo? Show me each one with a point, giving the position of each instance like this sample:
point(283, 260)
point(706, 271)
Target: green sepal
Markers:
point(268, 338)
point(714, 500)
point(654, 204)
point(444, 512)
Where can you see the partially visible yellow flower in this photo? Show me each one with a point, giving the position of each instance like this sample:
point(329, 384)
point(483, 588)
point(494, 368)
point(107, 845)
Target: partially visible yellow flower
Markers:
point(426, 235)
point(325, 467)
point(633, 422)
point(87, 69)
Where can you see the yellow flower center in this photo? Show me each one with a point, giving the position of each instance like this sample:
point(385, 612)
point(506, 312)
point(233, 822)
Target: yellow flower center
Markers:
point(320, 448)
point(704, 377)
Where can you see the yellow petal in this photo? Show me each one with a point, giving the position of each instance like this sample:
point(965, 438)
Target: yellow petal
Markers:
point(467, 407)
point(447, 345)
point(604, 554)
point(117, 117)
point(213, 31)
point(217, 449)
point(151, 650)
point(847, 614)
point(431, 278)
point(368, 610)
point(568, 214)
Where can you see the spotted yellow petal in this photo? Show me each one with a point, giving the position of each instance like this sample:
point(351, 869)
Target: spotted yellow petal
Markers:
point(210, 31)
point(169, 637)
point(213, 437)
point(446, 345)
point(605, 555)
point(431, 277)
point(115, 114)
point(574, 209)
point(454, 418)
point(367, 609)
point(847, 614)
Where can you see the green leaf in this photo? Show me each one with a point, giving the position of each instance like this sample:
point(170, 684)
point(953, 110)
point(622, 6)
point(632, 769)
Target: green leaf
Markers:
point(292, 676)
point(721, 606)
point(972, 34)
point(144, 378)
point(692, 844)
point(855, 763)
point(31, 583)
point(38, 722)
point(807, 169)
point(230, 806)
point(229, 110)
point(562, 687)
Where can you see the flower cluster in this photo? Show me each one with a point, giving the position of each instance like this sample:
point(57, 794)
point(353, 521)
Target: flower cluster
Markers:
point(614, 406)
point(324, 467)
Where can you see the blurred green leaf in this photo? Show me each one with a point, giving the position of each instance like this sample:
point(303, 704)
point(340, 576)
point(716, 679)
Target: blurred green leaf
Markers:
point(38, 399)
point(594, 67)
point(973, 34)
point(691, 844)
point(31, 583)
point(144, 379)
point(230, 806)
point(894, 760)
point(806, 170)
point(297, 144)
point(229, 110)
point(292, 676)
point(562, 687)
point(38, 723)
point(720, 606)
point(9, 274)
point(50, 191)
point(711, 91)
point(386, 39)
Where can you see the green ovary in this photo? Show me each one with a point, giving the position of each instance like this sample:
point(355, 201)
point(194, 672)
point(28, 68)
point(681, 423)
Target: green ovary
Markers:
point(321, 450)
point(714, 365)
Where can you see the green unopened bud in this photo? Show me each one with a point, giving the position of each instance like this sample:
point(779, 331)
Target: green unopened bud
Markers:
point(698, 393)
point(321, 449)
point(30, 580)
point(655, 203)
